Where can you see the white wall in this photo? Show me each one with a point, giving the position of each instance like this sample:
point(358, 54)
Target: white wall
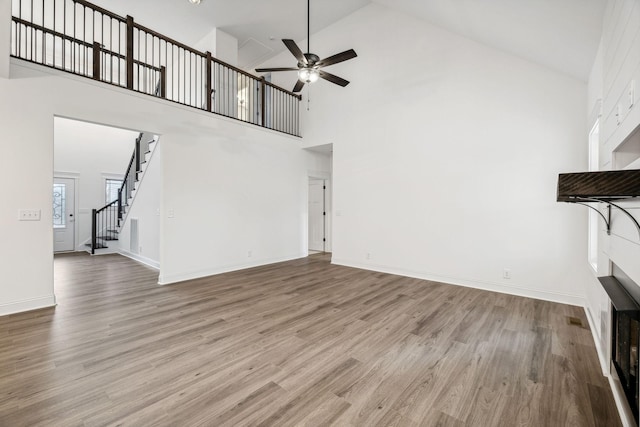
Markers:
point(221, 45)
point(226, 48)
point(90, 152)
point(236, 203)
point(146, 208)
point(262, 197)
point(446, 158)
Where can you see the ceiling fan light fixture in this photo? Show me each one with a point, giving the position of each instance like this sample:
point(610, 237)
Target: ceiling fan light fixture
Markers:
point(308, 75)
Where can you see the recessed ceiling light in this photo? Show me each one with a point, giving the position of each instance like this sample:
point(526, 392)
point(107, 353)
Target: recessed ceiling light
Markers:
point(195, 1)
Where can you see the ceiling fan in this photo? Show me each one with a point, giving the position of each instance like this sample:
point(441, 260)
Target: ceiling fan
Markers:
point(310, 64)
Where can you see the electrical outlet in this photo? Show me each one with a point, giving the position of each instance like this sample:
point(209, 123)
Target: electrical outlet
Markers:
point(29, 215)
point(249, 254)
point(368, 255)
point(506, 273)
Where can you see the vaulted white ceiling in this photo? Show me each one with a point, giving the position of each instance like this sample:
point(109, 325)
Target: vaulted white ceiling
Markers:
point(560, 34)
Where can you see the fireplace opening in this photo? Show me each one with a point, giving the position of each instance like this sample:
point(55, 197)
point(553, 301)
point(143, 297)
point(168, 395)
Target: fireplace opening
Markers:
point(625, 356)
point(624, 294)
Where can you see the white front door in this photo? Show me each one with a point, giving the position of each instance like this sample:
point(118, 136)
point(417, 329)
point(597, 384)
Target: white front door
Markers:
point(64, 215)
point(316, 215)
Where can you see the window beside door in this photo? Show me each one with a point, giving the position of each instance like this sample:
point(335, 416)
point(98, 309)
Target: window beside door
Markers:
point(112, 186)
point(59, 204)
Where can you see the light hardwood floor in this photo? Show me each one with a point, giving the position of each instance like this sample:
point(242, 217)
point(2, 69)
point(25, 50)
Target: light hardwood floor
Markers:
point(295, 343)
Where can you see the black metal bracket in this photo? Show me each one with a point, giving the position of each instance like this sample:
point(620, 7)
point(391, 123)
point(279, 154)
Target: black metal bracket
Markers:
point(607, 222)
point(584, 200)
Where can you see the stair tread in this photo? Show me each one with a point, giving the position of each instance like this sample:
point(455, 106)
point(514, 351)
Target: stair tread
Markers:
point(98, 246)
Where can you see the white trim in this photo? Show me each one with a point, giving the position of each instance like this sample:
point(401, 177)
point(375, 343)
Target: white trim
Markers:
point(319, 175)
point(516, 290)
point(168, 279)
point(70, 175)
point(139, 258)
point(27, 305)
point(604, 364)
point(113, 176)
point(626, 416)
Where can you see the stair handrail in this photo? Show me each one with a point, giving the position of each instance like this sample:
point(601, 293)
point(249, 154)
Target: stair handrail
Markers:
point(128, 183)
point(95, 224)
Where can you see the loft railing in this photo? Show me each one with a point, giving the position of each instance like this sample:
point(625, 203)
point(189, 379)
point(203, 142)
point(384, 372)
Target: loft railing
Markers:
point(84, 39)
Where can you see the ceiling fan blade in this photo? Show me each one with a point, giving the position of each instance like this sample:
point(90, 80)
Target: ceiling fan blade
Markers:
point(295, 50)
point(339, 57)
point(298, 87)
point(333, 79)
point(268, 70)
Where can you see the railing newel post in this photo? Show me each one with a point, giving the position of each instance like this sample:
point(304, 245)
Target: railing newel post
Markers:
point(207, 83)
point(93, 231)
point(97, 49)
point(163, 81)
point(119, 204)
point(138, 163)
point(263, 109)
point(129, 57)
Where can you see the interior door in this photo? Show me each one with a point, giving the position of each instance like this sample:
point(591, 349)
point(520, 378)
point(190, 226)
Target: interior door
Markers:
point(316, 215)
point(64, 215)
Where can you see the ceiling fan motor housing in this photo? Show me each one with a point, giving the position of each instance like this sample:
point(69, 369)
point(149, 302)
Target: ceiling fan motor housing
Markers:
point(312, 58)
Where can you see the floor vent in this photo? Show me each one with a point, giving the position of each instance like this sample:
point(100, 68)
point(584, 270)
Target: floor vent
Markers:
point(133, 243)
point(574, 321)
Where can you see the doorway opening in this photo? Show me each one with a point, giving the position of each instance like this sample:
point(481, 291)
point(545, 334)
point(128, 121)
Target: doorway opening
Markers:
point(107, 180)
point(319, 215)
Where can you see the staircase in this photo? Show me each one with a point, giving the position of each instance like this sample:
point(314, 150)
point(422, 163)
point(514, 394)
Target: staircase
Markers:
point(106, 221)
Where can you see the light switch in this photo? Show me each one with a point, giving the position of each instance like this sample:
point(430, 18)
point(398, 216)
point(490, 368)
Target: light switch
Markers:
point(29, 215)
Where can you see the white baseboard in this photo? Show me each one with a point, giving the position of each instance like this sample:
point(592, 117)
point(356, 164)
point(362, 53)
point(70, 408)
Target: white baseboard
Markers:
point(626, 416)
point(139, 258)
point(168, 279)
point(604, 364)
point(27, 305)
point(477, 284)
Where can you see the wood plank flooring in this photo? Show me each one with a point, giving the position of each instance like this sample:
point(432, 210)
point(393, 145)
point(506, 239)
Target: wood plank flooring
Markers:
point(300, 343)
